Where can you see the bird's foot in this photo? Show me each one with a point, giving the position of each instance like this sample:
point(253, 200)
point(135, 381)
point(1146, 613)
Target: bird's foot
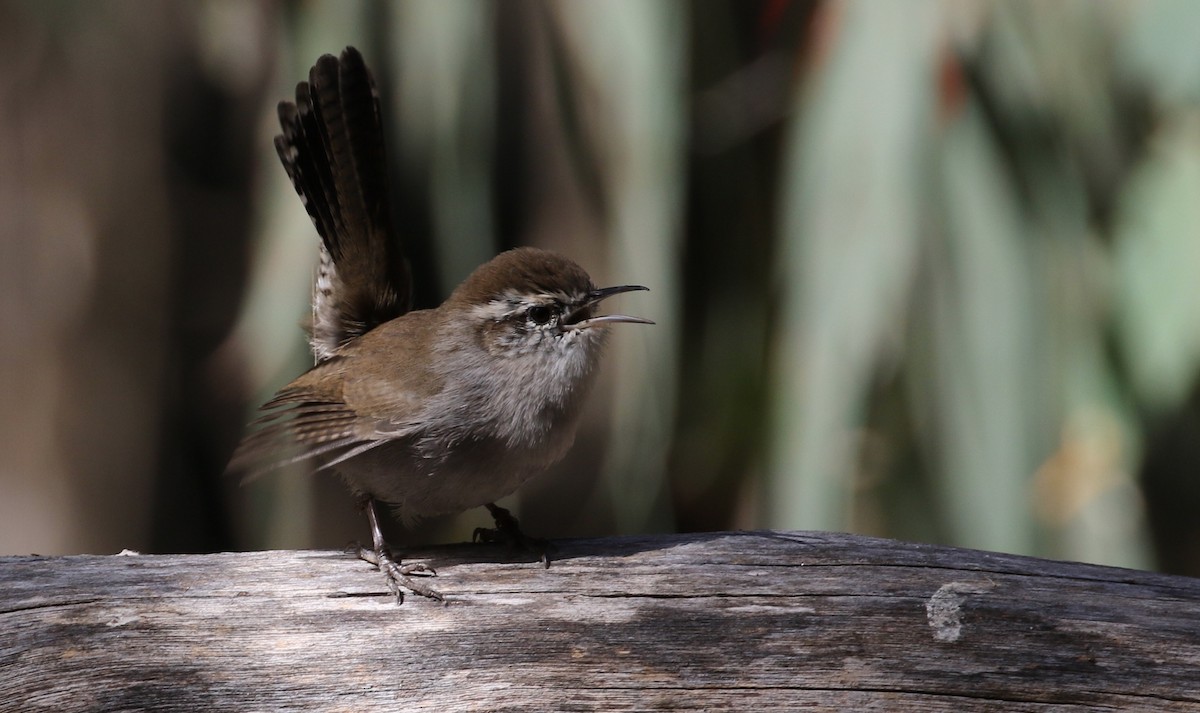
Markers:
point(508, 531)
point(398, 574)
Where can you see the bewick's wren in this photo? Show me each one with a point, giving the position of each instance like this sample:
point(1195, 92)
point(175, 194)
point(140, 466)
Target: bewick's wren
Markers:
point(433, 411)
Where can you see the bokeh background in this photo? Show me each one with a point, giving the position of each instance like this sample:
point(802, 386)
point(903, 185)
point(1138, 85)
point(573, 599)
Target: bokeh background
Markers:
point(921, 269)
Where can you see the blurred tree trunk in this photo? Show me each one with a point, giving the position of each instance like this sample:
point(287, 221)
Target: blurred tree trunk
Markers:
point(124, 215)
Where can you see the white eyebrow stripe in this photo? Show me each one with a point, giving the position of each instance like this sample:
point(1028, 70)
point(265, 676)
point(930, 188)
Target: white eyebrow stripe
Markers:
point(494, 310)
point(510, 303)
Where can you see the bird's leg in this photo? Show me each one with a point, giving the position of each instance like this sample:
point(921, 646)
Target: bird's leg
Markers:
point(397, 574)
point(508, 531)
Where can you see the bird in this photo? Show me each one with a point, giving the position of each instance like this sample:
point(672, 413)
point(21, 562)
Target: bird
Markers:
point(429, 411)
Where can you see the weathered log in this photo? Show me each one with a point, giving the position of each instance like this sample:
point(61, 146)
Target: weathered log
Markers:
point(764, 621)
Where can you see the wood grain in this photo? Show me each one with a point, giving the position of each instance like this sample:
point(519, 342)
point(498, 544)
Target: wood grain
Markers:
point(765, 621)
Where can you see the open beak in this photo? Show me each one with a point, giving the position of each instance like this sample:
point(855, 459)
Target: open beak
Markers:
point(596, 296)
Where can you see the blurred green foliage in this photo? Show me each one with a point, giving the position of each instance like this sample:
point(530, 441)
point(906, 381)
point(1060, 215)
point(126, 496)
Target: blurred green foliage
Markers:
point(991, 207)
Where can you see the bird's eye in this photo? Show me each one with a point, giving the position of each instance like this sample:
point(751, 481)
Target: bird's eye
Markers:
point(539, 314)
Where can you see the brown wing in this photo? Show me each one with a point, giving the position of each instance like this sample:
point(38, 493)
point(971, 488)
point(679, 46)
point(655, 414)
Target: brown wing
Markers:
point(366, 395)
point(298, 425)
point(332, 148)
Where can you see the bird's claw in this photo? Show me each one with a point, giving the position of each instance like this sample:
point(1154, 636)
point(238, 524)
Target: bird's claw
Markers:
point(508, 532)
point(398, 574)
